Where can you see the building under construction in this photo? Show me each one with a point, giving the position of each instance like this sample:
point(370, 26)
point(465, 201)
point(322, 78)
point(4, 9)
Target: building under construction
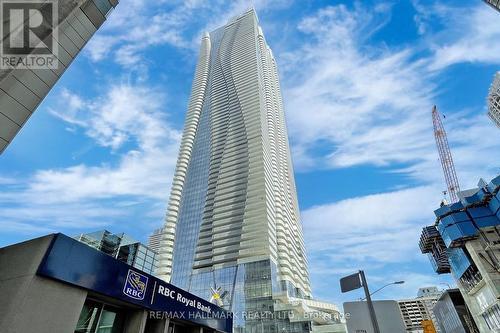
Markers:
point(465, 241)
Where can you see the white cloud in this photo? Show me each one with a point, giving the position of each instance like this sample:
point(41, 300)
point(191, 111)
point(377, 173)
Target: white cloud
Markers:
point(468, 36)
point(125, 112)
point(370, 106)
point(351, 101)
point(376, 233)
point(135, 27)
point(413, 281)
point(127, 119)
point(380, 228)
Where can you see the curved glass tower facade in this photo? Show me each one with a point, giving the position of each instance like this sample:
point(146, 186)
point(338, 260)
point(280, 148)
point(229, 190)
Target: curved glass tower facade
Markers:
point(233, 218)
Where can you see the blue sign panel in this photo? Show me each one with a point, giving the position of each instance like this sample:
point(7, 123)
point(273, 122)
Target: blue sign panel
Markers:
point(135, 285)
point(75, 263)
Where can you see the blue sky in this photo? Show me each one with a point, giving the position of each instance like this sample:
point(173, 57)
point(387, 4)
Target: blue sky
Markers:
point(359, 80)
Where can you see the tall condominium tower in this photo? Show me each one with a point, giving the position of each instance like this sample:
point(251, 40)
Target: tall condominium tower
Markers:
point(154, 239)
point(30, 67)
point(494, 3)
point(494, 100)
point(233, 218)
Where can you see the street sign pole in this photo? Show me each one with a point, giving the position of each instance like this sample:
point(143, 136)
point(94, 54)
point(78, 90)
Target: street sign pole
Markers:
point(371, 309)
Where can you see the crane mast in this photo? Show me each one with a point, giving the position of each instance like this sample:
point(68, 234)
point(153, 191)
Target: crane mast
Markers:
point(445, 157)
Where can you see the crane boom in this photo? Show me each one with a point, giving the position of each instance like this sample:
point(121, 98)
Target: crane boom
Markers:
point(445, 157)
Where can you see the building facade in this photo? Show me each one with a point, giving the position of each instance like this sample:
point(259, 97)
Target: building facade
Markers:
point(387, 312)
point(468, 234)
point(57, 284)
point(23, 89)
point(123, 248)
point(494, 100)
point(417, 311)
point(494, 3)
point(154, 240)
point(233, 219)
point(452, 314)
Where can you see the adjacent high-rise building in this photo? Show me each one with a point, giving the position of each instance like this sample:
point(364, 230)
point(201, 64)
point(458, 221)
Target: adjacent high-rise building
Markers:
point(494, 100)
point(154, 240)
point(494, 3)
point(233, 219)
point(31, 66)
point(467, 234)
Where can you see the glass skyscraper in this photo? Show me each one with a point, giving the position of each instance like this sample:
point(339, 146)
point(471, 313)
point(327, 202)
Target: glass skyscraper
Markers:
point(233, 217)
point(123, 248)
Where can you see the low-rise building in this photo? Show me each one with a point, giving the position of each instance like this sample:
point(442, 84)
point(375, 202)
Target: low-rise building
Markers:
point(57, 284)
point(413, 311)
point(417, 312)
point(427, 297)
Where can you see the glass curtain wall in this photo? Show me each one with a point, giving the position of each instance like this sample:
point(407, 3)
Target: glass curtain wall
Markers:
point(100, 318)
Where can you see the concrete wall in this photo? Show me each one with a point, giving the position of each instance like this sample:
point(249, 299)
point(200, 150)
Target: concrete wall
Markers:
point(487, 292)
point(136, 321)
point(388, 317)
point(31, 303)
point(447, 316)
point(22, 90)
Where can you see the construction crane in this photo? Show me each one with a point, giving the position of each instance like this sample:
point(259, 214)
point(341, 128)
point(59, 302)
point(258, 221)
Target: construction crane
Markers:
point(445, 156)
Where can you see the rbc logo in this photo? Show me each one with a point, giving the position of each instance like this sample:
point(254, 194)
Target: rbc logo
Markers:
point(135, 285)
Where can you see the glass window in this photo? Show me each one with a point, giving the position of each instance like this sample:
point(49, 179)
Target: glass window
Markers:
point(99, 318)
point(88, 317)
point(111, 321)
point(103, 5)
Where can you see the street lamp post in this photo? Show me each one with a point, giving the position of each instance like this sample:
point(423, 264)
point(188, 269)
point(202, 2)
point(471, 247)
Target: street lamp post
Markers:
point(358, 280)
point(395, 282)
point(371, 309)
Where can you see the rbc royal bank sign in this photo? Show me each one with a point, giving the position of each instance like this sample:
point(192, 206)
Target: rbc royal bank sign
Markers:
point(72, 262)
